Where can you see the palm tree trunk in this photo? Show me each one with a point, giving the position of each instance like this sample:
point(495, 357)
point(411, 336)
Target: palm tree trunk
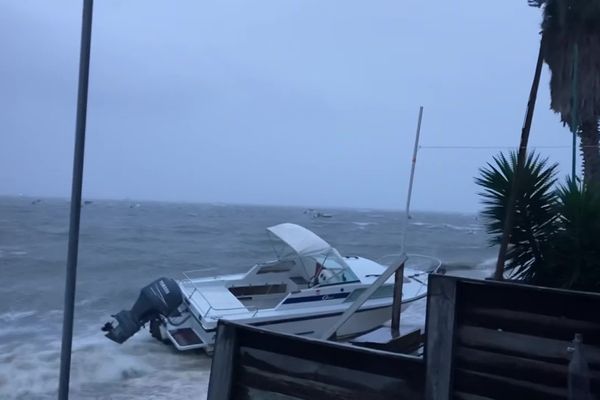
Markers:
point(591, 152)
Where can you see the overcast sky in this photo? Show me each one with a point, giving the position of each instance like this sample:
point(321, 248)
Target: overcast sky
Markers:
point(272, 102)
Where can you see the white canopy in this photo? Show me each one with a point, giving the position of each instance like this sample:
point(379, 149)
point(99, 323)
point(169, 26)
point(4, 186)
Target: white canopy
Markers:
point(299, 239)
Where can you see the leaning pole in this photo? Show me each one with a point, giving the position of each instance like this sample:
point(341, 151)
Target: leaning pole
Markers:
point(82, 96)
point(521, 158)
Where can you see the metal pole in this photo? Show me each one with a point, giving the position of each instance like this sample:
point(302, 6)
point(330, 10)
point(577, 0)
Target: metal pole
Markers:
point(82, 95)
point(399, 275)
point(521, 155)
point(574, 105)
point(412, 176)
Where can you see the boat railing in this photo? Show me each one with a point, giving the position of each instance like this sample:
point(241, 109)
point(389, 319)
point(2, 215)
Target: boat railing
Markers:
point(429, 265)
point(209, 307)
point(201, 273)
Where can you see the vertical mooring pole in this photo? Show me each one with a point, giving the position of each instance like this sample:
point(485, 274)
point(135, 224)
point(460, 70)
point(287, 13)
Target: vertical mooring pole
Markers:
point(399, 275)
point(82, 95)
point(412, 174)
point(397, 301)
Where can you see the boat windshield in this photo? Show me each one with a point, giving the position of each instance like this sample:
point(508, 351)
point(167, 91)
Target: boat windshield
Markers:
point(336, 270)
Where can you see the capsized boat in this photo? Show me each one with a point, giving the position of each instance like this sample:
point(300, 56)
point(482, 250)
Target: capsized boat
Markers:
point(303, 291)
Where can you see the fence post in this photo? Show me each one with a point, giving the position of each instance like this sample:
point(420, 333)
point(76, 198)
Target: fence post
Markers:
point(397, 302)
point(579, 372)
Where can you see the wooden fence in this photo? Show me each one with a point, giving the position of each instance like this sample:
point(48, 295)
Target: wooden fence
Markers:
point(484, 340)
point(493, 340)
point(251, 363)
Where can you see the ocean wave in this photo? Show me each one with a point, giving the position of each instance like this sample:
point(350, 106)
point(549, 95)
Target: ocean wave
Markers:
point(12, 251)
point(467, 228)
point(488, 263)
point(363, 225)
point(102, 369)
point(471, 228)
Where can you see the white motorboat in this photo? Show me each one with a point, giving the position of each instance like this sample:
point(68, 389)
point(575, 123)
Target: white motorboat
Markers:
point(303, 291)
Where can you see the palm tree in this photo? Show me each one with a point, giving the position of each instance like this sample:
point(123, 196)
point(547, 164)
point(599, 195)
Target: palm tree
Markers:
point(573, 249)
point(555, 237)
point(571, 32)
point(533, 214)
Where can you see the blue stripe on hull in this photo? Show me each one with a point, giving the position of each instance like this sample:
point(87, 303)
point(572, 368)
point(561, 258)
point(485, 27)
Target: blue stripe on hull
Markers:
point(318, 316)
point(305, 299)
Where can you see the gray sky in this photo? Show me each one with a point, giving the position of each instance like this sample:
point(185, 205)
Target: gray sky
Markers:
point(270, 102)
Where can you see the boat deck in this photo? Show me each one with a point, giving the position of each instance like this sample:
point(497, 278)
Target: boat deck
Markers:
point(215, 300)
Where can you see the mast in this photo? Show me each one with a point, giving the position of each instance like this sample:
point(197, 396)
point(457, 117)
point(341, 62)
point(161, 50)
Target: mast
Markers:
point(399, 273)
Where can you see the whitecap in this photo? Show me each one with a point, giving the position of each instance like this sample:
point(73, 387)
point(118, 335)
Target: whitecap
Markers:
point(488, 263)
point(363, 224)
point(424, 224)
point(469, 228)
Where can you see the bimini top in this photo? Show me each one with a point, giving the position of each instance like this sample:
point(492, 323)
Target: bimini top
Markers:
point(302, 241)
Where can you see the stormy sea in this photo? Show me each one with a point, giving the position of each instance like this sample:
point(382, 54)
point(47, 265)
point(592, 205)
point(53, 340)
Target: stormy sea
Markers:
point(124, 245)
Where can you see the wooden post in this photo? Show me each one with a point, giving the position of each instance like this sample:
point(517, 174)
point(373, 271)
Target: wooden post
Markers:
point(221, 372)
point(521, 156)
point(332, 331)
point(397, 303)
point(439, 331)
point(579, 372)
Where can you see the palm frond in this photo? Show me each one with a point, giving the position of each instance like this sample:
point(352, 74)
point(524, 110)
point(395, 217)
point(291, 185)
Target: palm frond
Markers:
point(573, 251)
point(533, 208)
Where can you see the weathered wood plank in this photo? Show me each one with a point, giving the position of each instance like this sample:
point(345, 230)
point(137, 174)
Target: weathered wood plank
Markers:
point(405, 378)
point(223, 364)
point(439, 329)
point(303, 388)
point(402, 344)
point(528, 298)
point(469, 396)
point(247, 393)
point(502, 388)
point(335, 354)
point(550, 326)
point(522, 345)
point(499, 364)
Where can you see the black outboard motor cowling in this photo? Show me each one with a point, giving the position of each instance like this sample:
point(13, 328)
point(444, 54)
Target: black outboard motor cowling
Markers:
point(161, 297)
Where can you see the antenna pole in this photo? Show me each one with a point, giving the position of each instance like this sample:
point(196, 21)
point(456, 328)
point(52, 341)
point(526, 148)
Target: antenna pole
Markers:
point(412, 176)
point(82, 95)
point(399, 273)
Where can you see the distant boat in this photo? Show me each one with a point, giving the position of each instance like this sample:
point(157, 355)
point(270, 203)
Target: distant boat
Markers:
point(317, 214)
point(303, 291)
point(87, 202)
point(36, 201)
point(322, 215)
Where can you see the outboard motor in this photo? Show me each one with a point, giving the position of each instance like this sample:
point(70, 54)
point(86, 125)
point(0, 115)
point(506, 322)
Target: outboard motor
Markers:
point(161, 297)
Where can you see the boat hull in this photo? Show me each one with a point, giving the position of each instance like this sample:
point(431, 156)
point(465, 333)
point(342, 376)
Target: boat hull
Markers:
point(193, 335)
